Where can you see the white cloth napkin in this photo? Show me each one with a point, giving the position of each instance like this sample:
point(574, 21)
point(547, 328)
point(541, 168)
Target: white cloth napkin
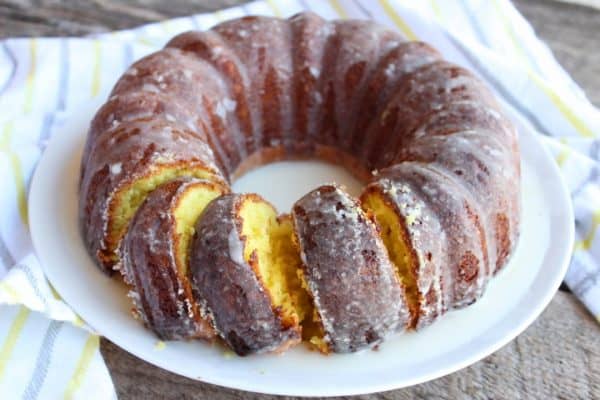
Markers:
point(45, 350)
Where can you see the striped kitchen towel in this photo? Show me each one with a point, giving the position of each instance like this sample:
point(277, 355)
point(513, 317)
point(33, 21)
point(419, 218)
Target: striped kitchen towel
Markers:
point(46, 351)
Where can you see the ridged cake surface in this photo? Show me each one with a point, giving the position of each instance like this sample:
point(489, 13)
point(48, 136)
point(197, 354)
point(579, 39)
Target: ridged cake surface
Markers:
point(439, 214)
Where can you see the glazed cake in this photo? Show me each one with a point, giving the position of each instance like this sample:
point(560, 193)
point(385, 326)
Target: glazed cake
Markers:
point(438, 216)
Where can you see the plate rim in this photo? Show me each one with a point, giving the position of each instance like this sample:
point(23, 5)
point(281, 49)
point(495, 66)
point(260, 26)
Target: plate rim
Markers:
point(536, 308)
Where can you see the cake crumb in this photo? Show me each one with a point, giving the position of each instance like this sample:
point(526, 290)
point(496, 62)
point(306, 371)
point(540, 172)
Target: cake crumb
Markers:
point(160, 345)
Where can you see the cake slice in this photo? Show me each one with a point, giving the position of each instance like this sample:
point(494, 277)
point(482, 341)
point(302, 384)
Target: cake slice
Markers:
point(154, 258)
point(244, 268)
point(411, 234)
point(421, 208)
point(357, 296)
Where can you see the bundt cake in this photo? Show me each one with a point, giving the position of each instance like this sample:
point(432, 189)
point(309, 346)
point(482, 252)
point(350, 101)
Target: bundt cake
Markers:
point(438, 217)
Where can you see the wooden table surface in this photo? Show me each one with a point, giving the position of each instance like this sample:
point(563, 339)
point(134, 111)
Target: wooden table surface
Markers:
point(557, 357)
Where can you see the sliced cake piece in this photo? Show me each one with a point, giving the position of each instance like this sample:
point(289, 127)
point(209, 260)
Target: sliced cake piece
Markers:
point(411, 234)
point(358, 298)
point(244, 269)
point(443, 227)
point(154, 257)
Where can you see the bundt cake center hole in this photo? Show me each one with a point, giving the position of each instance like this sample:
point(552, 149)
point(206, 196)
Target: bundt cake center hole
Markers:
point(284, 182)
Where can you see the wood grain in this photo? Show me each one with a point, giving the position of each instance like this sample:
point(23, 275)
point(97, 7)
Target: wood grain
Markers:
point(557, 357)
point(76, 18)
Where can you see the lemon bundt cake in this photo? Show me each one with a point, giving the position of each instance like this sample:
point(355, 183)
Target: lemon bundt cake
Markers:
point(154, 258)
point(438, 217)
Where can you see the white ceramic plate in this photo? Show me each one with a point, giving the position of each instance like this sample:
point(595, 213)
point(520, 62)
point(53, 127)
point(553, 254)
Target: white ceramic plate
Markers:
point(513, 300)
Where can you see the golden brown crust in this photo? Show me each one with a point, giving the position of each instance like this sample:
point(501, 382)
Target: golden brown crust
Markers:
point(132, 106)
point(227, 112)
point(442, 209)
point(349, 274)
point(228, 287)
point(418, 227)
point(389, 74)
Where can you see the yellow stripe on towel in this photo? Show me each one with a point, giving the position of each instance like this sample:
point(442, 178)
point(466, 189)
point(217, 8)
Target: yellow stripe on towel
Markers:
point(90, 347)
point(54, 292)
point(337, 7)
point(565, 110)
point(29, 83)
point(435, 7)
point(586, 243)
point(17, 171)
point(169, 26)
point(146, 41)
point(20, 185)
point(516, 44)
point(5, 138)
point(78, 322)
point(274, 8)
point(218, 16)
point(10, 292)
point(12, 338)
point(398, 21)
point(564, 153)
point(96, 71)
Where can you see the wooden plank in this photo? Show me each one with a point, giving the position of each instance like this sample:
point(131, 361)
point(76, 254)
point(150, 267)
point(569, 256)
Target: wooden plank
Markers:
point(75, 18)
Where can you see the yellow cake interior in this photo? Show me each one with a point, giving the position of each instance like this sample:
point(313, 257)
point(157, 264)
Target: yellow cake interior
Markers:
point(312, 329)
point(270, 250)
point(190, 206)
point(128, 199)
point(392, 226)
